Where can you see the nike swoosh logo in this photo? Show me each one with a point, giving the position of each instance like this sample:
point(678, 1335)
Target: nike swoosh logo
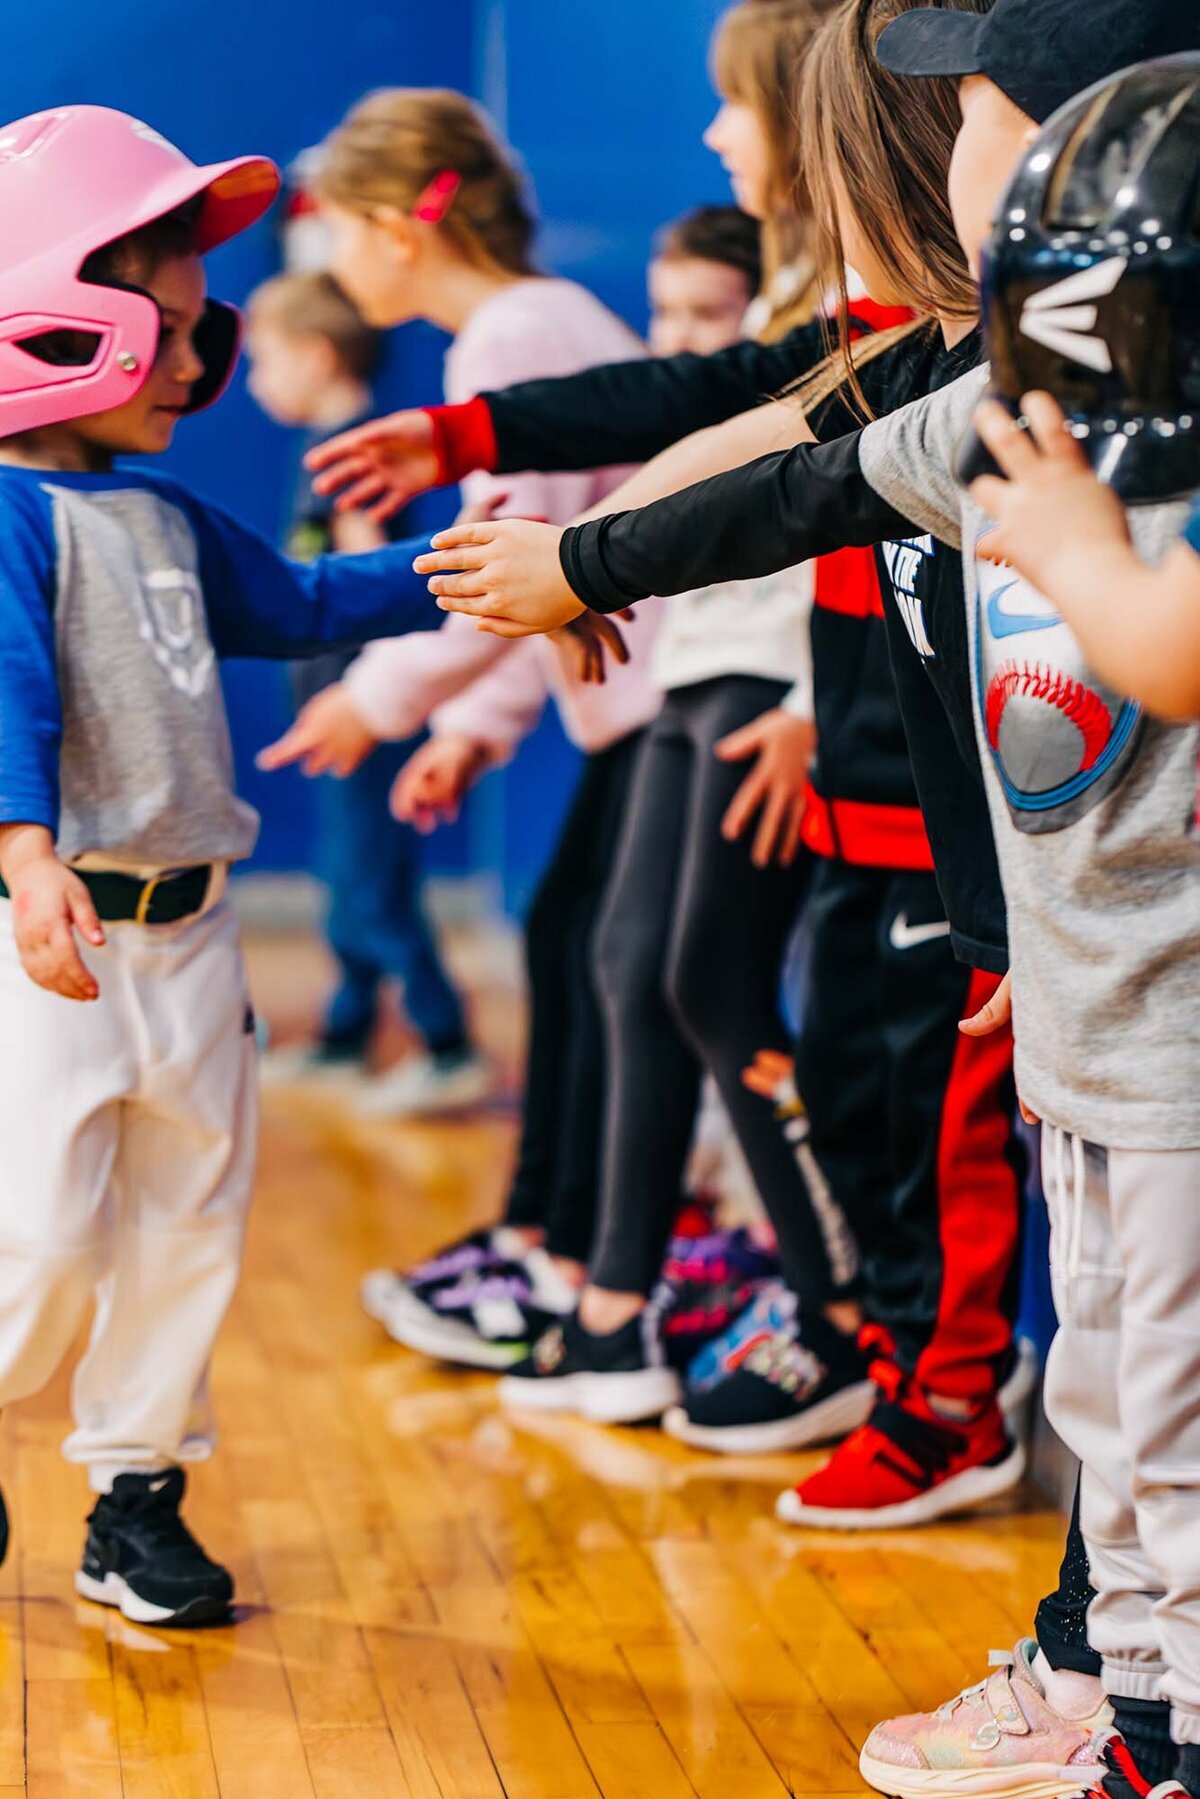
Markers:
point(907, 936)
point(1002, 623)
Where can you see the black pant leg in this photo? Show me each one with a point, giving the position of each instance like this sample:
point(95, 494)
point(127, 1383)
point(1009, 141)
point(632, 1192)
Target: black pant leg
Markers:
point(1061, 1624)
point(653, 1074)
point(733, 923)
point(841, 1061)
point(575, 1178)
point(940, 1273)
point(564, 1060)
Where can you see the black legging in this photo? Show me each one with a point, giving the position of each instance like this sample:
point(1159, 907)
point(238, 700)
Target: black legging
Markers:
point(556, 1181)
point(688, 954)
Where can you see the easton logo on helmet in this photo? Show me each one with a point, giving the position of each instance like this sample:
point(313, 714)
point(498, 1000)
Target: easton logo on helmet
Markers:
point(1058, 319)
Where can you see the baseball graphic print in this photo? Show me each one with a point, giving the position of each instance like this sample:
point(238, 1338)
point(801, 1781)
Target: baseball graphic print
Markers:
point(1059, 739)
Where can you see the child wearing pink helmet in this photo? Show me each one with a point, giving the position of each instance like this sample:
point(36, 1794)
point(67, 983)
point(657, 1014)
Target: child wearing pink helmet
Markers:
point(127, 1078)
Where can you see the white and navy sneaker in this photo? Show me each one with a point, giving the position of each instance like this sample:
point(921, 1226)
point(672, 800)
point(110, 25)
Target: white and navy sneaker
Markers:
point(141, 1557)
point(487, 1316)
point(622, 1377)
point(773, 1382)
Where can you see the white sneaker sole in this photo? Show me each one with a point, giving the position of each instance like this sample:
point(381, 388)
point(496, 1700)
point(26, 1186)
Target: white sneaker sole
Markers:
point(961, 1493)
point(1040, 1780)
point(603, 1398)
point(457, 1093)
point(114, 1591)
point(836, 1416)
point(410, 1323)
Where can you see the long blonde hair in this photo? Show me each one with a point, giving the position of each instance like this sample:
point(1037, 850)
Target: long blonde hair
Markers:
point(758, 54)
point(394, 143)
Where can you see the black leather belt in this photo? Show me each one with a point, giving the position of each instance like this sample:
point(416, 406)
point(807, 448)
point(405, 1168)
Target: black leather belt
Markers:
point(167, 899)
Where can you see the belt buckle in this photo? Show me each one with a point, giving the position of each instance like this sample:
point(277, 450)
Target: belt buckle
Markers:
point(146, 897)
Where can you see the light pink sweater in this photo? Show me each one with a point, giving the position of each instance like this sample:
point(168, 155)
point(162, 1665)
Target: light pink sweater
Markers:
point(491, 688)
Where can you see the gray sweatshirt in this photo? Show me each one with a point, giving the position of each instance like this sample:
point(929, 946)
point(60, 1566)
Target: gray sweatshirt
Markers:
point(1094, 810)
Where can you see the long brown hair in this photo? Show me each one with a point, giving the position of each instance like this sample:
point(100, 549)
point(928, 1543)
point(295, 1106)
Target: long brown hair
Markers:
point(395, 142)
point(758, 53)
point(888, 142)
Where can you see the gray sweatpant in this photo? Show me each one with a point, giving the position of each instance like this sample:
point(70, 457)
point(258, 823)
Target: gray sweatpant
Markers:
point(1123, 1391)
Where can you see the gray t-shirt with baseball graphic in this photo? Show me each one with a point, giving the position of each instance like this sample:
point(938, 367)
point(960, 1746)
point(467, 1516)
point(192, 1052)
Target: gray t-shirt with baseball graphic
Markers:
point(1094, 810)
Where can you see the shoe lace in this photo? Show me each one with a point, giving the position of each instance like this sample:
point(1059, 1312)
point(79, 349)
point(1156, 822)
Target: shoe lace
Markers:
point(997, 1658)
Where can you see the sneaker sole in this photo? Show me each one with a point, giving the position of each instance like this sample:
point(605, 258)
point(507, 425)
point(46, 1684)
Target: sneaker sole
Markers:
point(961, 1493)
point(464, 1098)
point(116, 1592)
point(604, 1398)
point(836, 1416)
point(1041, 1780)
point(445, 1341)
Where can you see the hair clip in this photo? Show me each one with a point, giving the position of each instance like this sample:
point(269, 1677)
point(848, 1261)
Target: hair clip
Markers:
point(435, 201)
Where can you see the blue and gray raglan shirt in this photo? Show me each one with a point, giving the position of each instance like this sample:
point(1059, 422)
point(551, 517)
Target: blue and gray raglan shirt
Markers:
point(119, 595)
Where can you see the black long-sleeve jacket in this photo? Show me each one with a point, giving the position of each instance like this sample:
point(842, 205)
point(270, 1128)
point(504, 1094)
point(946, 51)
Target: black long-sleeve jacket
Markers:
point(777, 511)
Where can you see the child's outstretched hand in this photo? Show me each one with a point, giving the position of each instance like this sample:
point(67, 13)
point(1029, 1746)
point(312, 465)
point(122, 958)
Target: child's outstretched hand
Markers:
point(505, 574)
point(783, 746)
point(588, 641)
point(378, 468)
point(1051, 507)
point(330, 736)
point(49, 904)
point(431, 787)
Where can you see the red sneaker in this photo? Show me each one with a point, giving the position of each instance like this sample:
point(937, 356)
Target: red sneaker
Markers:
point(907, 1465)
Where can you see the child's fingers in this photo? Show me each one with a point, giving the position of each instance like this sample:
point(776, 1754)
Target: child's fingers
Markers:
point(794, 833)
point(770, 826)
point(743, 806)
point(471, 586)
point(993, 1015)
point(347, 443)
point(450, 562)
point(362, 493)
point(1048, 428)
point(1009, 445)
point(295, 743)
point(85, 917)
point(459, 537)
point(738, 745)
point(503, 627)
point(62, 968)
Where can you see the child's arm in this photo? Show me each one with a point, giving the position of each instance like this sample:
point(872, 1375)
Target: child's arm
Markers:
point(1139, 627)
point(49, 904)
point(602, 417)
point(770, 515)
point(261, 604)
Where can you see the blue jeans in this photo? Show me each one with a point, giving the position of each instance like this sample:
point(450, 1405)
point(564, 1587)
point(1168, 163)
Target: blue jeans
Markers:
point(376, 926)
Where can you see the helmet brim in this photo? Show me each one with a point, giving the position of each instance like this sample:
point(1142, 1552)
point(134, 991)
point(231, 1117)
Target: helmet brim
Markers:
point(236, 195)
point(932, 42)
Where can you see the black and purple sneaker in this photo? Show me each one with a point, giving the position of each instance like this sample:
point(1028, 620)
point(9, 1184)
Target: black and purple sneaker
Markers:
point(473, 1308)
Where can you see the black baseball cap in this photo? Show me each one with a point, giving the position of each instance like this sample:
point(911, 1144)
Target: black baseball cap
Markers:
point(1041, 53)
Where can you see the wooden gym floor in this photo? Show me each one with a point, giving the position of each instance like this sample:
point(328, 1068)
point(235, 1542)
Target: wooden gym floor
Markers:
point(437, 1600)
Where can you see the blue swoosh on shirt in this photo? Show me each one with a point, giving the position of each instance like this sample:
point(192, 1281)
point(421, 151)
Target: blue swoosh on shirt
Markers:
point(1008, 624)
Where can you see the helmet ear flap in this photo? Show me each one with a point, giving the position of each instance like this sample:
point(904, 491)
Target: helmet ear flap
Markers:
point(217, 340)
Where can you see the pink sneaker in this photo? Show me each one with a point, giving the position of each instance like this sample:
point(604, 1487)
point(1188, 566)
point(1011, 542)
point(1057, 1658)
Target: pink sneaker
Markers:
point(998, 1740)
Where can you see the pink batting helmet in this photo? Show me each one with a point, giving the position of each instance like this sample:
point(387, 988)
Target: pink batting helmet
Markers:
point(73, 180)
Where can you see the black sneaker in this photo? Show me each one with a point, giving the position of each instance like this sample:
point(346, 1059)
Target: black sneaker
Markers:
point(1123, 1779)
point(620, 1378)
point(141, 1557)
point(773, 1382)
